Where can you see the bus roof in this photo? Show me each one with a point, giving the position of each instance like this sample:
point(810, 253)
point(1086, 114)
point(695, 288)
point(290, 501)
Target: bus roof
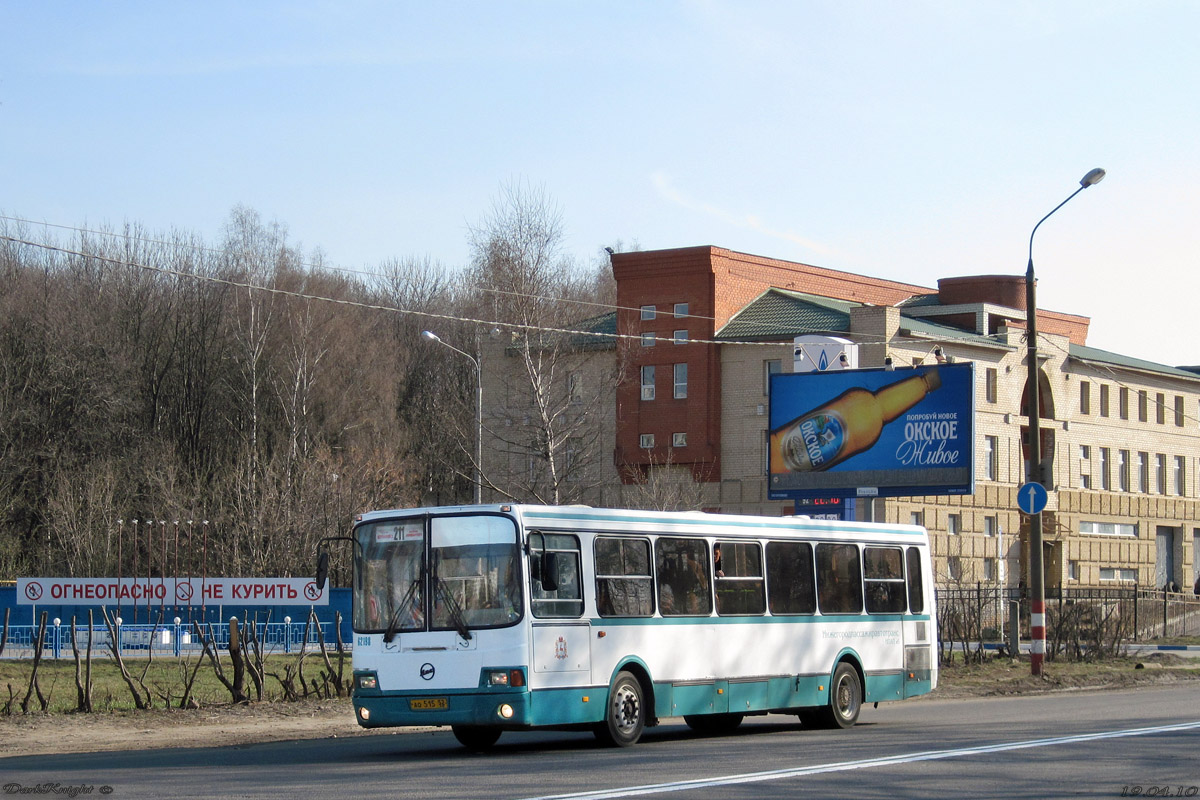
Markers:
point(661, 522)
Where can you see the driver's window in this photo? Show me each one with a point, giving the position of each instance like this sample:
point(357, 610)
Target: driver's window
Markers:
point(554, 575)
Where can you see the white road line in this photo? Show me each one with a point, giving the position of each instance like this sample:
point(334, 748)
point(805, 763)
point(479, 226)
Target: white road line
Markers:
point(870, 763)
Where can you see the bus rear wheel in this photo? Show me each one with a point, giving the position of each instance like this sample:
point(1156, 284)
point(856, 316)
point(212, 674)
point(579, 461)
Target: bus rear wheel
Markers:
point(475, 737)
point(625, 716)
point(845, 701)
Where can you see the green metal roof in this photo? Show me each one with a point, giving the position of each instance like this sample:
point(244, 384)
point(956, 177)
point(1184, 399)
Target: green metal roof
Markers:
point(924, 327)
point(778, 313)
point(1096, 355)
point(781, 314)
point(604, 325)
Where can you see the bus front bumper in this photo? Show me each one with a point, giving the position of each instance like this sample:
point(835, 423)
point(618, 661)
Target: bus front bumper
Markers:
point(470, 707)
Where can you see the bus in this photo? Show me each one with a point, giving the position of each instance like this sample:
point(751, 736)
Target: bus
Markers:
point(496, 618)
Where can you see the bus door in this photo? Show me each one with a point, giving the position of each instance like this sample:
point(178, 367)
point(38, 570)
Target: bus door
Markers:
point(919, 626)
point(562, 638)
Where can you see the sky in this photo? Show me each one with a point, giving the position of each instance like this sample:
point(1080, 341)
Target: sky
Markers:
point(908, 141)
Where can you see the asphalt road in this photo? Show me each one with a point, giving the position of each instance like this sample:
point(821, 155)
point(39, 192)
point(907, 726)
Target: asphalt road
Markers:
point(1101, 744)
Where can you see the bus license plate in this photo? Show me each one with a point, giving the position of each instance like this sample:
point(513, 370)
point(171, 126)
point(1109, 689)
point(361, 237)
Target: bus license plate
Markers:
point(428, 703)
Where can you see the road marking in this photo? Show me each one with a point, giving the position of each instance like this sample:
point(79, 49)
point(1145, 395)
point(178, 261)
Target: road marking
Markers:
point(870, 763)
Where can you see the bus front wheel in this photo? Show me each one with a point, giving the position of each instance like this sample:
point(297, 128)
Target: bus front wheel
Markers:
point(625, 716)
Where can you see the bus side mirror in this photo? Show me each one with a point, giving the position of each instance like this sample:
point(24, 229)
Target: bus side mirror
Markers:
point(549, 570)
point(322, 569)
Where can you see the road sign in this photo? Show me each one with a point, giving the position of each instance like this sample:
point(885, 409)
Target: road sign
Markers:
point(1032, 497)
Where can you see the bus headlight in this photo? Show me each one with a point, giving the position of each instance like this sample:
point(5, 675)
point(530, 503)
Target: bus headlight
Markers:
point(368, 682)
point(505, 677)
point(505, 711)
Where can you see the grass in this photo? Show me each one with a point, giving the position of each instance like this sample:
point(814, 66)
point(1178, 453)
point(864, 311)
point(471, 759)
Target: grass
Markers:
point(1006, 676)
point(165, 677)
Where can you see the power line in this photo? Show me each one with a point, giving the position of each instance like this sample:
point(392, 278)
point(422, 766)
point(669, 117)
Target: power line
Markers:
point(364, 273)
point(352, 303)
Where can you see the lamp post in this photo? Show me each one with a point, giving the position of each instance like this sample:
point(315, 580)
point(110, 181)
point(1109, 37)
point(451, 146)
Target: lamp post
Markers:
point(1037, 578)
point(433, 337)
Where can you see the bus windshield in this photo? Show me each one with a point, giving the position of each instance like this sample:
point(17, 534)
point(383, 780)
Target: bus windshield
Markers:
point(441, 573)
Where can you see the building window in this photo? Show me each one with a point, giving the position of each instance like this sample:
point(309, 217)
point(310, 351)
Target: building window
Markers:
point(1125, 529)
point(1123, 402)
point(954, 566)
point(1143, 406)
point(954, 524)
point(1143, 472)
point(680, 337)
point(649, 338)
point(648, 312)
point(1104, 399)
point(646, 441)
point(1118, 574)
point(772, 366)
point(573, 464)
point(1105, 477)
point(1072, 570)
point(916, 518)
point(991, 526)
point(575, 387)
point(1178, 411)
point(989, 458)
point(1085, 466)
point(1123, 470)
point(989, 569)
point(989, 385)
point(1085, 397)
point(680, 381)
point(1180, 476)
point(1160, 415)
point(1160, 473)
point(648, 382)
point(681, 309)
point(679, 439)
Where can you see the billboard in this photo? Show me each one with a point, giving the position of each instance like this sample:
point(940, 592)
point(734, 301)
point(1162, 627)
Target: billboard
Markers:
point(872, 433)
point(171, 591)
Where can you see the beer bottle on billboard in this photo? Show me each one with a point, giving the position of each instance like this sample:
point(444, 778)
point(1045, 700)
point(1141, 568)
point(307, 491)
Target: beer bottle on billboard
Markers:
point(846, 425)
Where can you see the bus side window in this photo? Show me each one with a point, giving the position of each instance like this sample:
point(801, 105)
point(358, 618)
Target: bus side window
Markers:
point(624, 587)
point(684, 585)
point(560, 553)
point(839, 579)
point(916, 589)
point(883, 577)
point(790, 585)
point(738, 567)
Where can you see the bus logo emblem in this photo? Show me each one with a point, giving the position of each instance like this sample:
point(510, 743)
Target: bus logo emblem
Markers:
point(560, 648)
point(427, 672)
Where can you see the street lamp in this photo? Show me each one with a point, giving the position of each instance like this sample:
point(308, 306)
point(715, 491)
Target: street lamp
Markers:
point(1037, 578)
point(433, 337)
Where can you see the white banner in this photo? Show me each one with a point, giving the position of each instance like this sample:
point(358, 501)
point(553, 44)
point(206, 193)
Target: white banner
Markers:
point(171, 591)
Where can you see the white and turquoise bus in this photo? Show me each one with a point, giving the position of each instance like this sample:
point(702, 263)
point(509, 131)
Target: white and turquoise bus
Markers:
point(515, 617)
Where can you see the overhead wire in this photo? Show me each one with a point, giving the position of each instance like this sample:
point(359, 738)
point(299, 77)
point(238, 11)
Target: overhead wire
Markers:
point(394, 309)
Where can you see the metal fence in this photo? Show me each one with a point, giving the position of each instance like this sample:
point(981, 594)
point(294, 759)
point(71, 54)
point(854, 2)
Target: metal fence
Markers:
point(985, 612)
point(61, 639)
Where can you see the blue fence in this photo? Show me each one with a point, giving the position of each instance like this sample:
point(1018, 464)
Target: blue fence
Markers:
point(281, 629)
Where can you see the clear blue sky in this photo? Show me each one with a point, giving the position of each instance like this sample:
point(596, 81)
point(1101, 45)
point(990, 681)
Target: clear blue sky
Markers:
point(904, 140)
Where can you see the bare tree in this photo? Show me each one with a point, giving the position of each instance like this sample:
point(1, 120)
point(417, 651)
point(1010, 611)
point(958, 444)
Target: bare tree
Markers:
point(550, 369)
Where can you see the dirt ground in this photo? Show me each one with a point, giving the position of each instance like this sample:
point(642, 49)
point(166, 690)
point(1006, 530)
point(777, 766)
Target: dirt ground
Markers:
point(38, 734)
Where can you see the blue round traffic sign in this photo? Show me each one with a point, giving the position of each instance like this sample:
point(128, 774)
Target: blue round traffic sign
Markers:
point(1032, 497)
